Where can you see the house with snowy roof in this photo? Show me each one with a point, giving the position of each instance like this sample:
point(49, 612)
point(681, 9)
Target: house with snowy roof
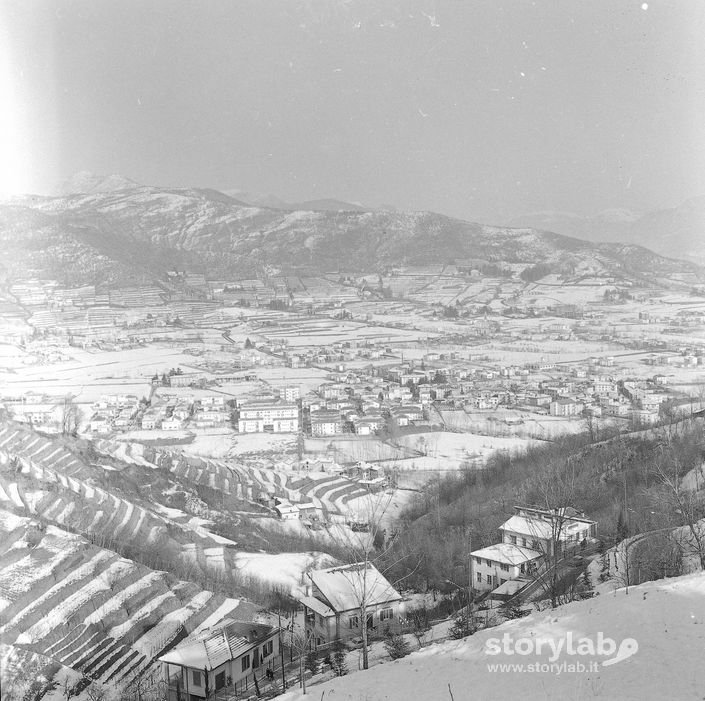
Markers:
point(338, 598)
point(547, 529)
point(529, 537)
point(236, 654)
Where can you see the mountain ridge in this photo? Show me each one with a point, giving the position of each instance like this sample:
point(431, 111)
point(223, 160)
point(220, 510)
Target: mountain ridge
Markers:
point(678, 229)
point(148, 229)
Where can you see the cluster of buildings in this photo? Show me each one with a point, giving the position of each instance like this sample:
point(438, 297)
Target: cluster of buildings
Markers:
point(123, 412)
point(340, 603)
point(176, 413)
point(114, 412)
point(239, 657)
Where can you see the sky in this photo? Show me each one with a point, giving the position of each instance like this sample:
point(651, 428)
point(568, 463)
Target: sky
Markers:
point(481, 109)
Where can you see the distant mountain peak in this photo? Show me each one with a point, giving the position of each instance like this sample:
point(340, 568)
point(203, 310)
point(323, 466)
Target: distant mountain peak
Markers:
point(328, 204)
point(676, 231)
point(84, 182)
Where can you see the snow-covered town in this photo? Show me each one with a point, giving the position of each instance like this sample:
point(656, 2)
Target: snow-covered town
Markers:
point(352, 351)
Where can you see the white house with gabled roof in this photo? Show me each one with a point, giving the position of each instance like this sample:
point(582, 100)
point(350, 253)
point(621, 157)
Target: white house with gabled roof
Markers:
point(529, 537)
point(544, 529)
point(500, 563)
point(334, 603)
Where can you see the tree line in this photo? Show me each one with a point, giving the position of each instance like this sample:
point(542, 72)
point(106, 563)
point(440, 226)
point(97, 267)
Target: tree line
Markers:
point(629, 484)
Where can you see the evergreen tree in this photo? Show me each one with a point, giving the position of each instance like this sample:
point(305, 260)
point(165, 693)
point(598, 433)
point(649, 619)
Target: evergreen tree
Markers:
point(512, 609)
point(340, 666)
point(461, 627)
point(396, 645)
point(312, 663)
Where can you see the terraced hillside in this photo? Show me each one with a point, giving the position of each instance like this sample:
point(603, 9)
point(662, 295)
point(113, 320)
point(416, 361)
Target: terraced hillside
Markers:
point(77, 606)
point(79, 542)
point(331, 493)
point(108, 556)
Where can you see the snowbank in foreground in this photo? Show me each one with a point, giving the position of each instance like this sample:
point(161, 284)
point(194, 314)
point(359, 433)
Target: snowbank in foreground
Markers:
point(665, 621)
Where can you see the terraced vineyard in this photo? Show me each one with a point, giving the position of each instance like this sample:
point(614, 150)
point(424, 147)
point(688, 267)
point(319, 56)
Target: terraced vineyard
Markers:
point(82, 607)
point(75, 605)
point(329, 492)
point(84, 533)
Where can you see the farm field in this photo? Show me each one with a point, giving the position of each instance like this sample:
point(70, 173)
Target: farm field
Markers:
point(92, 374)
point(512, 423)
point(452, 450)
point(321, 332)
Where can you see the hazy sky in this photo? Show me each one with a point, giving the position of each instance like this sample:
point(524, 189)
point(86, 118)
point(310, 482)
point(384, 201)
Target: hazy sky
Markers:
point(483, 109)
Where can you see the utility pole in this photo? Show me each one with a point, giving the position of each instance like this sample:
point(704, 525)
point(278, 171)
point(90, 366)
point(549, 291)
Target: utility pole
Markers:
point(470, 595)
point(281, 651)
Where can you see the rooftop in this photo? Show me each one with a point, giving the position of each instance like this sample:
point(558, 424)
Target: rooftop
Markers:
point(218, 645)
point(507, 553)
point(546, 524)
point(346, 586)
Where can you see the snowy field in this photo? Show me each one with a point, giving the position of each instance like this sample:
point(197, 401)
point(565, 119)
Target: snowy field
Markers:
point(284, 569)
point(324, 332)
point(91, 374)
point(12, 357)
point(351, 449)
point(504, 422)
point(450, 450)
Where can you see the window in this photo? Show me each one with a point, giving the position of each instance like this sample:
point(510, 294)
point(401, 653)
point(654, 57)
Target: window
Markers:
point(354, 622)
point(386, 614)
point(245, 663)
point(489, 579)
point(479, 576)
point(196, 676)
point(513, 539)
point(524, 542)
point(267, 648)
point(219, 680)
point(504, 567)
point(488, 563)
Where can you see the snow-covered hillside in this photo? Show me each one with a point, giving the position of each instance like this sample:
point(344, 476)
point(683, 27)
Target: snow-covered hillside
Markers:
point(150, 229)
point(658, 629)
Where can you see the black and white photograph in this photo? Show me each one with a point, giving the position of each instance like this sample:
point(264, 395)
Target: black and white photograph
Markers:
point(352, 350)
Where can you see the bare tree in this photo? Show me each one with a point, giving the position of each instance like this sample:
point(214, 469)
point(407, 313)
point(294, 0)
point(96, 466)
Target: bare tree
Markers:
point(688, 506)
point(364, 550)
point(301, 644)
point(145, 687)
point(622, 571)
point(69, 416)
point(591, 425)
point(552, 489)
